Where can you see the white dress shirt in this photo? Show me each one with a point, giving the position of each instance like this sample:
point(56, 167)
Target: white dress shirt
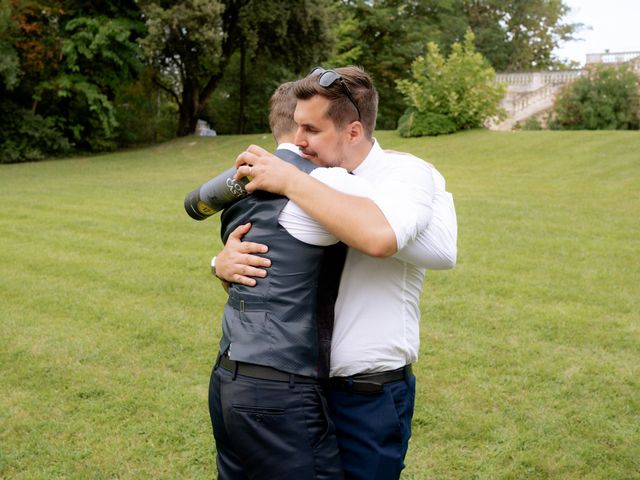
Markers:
point(377, 311)
point(378, 306)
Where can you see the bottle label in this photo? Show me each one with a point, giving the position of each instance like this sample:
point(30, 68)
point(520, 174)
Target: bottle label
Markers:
point(205, 209)
point(236, 188)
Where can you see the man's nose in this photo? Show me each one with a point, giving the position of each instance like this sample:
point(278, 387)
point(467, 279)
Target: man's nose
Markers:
point(300, 139)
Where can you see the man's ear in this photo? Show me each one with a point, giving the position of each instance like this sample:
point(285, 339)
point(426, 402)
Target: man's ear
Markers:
point(355, 130)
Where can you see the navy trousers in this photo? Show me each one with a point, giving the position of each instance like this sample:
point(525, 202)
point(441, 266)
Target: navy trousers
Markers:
point(373, 430)
point(271, 430)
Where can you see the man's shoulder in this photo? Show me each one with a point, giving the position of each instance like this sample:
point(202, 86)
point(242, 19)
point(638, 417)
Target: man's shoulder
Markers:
point(410, 160)
point(404, 157)
point(296, 159)
point(341, 180)
point(406, 165)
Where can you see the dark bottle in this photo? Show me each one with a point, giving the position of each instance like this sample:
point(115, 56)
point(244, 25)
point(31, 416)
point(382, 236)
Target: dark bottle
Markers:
point(215, 195)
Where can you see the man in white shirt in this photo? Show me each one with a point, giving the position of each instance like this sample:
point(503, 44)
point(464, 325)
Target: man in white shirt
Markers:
point(376, 337)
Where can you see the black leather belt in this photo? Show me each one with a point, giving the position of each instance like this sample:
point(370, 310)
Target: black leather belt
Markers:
point(262, 372)
point(369, 383)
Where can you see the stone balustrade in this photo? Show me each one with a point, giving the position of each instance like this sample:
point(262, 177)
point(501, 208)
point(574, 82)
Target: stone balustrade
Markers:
point(533, 80)
point(516, 103)
point(611, 57)
point(530, 93)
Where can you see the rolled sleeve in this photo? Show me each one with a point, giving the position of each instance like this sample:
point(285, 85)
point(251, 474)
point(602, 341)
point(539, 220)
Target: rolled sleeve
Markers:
point(435, 248)
point(405, 198)
point(305, 228)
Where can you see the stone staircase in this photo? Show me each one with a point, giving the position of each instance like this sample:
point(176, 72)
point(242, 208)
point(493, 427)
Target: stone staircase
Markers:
point(531, 93)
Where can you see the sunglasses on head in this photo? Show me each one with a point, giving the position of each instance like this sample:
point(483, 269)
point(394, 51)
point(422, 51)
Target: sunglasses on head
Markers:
point(329, 77)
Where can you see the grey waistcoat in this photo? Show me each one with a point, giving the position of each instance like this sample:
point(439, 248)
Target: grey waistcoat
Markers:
point(285, 321)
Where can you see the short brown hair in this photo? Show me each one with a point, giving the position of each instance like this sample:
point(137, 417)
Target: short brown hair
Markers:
point(341, 111)
point(283, 104)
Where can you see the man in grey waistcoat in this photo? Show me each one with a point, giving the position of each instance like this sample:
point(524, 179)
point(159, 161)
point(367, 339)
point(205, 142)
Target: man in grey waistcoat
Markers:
point(266, 396)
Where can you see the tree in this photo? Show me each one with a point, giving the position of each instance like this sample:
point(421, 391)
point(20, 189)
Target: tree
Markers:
point(191, 43)
point(9, 60)
point(187, 48)
point(243, 107)
point(607, 98)
point(97, 56)
point(458, 91)
point(145, 114)
point(299, 38)
point(519, 34)
point(384, 36)
point(72, 56)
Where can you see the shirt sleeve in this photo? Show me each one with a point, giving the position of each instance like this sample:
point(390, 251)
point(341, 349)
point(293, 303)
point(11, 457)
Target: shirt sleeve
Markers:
point(405, 196)
point(435, 247)
point(306, 229)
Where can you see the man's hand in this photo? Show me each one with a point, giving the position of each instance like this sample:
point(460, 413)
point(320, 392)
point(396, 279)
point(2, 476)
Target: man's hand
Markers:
point(267, 172)
point(236, 263)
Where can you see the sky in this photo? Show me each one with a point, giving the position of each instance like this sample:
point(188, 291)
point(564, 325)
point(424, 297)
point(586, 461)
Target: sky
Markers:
point(615, 25)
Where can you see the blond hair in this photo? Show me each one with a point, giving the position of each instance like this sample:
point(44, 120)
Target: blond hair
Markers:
point(283, 104)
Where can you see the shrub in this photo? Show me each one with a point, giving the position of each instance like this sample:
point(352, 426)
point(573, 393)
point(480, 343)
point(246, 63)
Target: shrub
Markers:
point(25, 136)
point(417, 124)
point(462, 87)
point(532, 123)
point(607, 98)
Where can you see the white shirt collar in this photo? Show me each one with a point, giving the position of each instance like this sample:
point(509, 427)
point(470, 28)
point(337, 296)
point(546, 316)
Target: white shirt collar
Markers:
point(370, 160)
point(289, 146)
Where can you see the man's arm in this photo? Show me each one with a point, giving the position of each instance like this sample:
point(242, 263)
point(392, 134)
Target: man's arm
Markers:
point(435, 248)
point(356, 221)
point(237, 262)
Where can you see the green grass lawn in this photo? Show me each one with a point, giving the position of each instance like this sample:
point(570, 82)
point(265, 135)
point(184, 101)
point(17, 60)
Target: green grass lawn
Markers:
point(530, 357)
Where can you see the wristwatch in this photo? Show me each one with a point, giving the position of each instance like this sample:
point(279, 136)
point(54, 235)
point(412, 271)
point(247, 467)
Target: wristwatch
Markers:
point(213, 266)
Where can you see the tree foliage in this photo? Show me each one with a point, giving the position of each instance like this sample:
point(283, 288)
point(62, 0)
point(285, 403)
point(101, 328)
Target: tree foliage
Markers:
point(607, 98)
point(384, 36)
point(9, 60)
point(191, 43)
point(97, 56)
point(184, 46)
point(120, 72)
point(243, 107)
point(66, 60)
point(460, 87)
point(519, 35)
point(145, 114)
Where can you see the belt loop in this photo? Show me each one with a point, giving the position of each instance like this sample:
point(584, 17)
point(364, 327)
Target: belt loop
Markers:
point(242, 305)
point(292, 379)
point(217, 364)
point(406, 371)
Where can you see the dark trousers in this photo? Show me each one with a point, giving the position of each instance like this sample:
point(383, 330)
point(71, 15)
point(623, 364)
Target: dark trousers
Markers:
point(271, 430)
point(374, 429)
